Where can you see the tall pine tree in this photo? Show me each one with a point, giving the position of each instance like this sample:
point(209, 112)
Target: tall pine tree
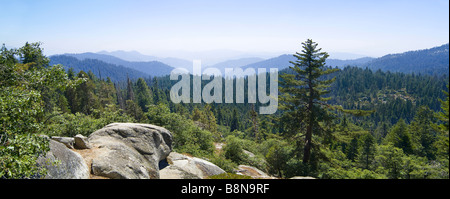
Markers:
point(302, 95)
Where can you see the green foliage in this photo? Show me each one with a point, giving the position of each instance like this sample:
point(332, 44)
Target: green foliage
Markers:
point(277, 158)
point(224, 163)
point(392, 95)
point(366, 151)
point(229, 176)
point(302, 95)
point(400, 137)
point(423, 133)
point(72, 124)
point(19, 154)
point(444, 115)
point(19, 110)
point(133, 109)
point(26, 84)
point(235, 122)
point(389, 161)
point(85, 97)
point(143, 94)
point(188, 138)
point(233, 150)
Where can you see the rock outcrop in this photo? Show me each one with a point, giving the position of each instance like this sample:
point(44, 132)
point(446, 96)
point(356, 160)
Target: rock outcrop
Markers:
point(302, 178)
point(129, 151)
point(253, 172)
point(180, 166)
point(118, 151)
point(63, 163)
point(81, 142)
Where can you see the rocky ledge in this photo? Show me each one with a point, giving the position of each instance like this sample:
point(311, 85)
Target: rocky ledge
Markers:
point(122, 151)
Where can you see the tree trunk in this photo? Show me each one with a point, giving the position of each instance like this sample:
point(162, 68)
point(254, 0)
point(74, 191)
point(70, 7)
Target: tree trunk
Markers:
point(308, 137)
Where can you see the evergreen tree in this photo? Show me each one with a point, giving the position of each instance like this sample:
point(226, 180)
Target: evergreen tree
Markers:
point(130, 92)
point(235, 123)
point(134, 110)
point(367, 151)
point(32, 55)
point(302, 94)
point(400, 137)
point(277, 158)
point(442, 144)
point(444, 115)
point(85, 97)
point(120, 99)
point(197, 115)
point(254, 118)
point(106, 93)
point(352, 149)
point(143, 94)
point(423, 133)
point(210, 119)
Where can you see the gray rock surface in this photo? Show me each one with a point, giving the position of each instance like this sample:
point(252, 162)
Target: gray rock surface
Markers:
point(68, 141)
point(129, 150)
point(302, 178)
point(252, 172)
point(68, 165)
point(81, 142)
point(185, 167)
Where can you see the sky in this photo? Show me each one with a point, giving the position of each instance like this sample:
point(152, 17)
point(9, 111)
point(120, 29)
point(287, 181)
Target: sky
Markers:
point(256, 27)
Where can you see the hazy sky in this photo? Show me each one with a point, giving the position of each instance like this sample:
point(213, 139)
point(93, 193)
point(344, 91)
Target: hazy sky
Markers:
point(372, 28)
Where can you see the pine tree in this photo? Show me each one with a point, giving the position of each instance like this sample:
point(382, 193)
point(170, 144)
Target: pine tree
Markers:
point(210, 119)
point(254, 117)
point(302, 94)
point(423, 134)
point(235, 124)
point(85, 97)
point(367, 151)
point(106, 93)
point(143, 94)
point(400, 137)
point(442, 144)
point(130, 93)
point(443, 116)
point(197, 115)
point(120, 99)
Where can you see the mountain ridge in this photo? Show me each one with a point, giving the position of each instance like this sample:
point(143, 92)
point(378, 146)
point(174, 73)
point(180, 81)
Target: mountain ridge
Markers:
point(153, 68)
point(98, 67)
point(430, 61)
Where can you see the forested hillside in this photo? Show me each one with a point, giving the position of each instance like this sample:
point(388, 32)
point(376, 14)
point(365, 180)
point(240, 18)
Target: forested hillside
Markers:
point(153, 68)
point(357, 123)
point(428, 61)
point(97, 67)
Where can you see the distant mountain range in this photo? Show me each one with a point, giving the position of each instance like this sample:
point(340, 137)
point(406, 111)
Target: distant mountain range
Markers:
point(429, 61)
point(134, 56)
point(99, 68)
point(283, 62)
point(113, 64)
point(145, 68)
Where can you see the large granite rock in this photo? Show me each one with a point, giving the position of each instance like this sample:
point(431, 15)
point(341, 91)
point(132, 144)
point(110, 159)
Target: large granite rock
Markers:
point(302, 178)
point(252, 172)
point(129, 150)
point(184, 167)
point(81, 142)
point(63, 163)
